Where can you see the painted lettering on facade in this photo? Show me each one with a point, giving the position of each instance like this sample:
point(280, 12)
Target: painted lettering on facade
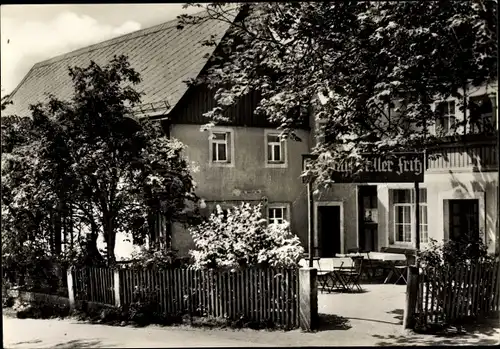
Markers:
point(395, 167)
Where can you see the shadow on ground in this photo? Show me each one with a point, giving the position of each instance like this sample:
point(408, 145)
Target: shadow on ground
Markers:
point(330, 322)
point(79, 343)
point(34, 341)
point(486, 333)
point(398, 315)
point(343, 291)
point(75, 343)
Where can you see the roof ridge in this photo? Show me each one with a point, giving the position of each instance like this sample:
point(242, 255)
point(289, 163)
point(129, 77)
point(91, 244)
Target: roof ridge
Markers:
point(152, 49)
point(113, 41)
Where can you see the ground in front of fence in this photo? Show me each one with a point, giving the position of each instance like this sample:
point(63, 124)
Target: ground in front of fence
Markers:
point(370, 318)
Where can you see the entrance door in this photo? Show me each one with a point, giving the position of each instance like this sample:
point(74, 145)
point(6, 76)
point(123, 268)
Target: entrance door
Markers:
point(329, 230)
point(368, 217)
point(464, 219)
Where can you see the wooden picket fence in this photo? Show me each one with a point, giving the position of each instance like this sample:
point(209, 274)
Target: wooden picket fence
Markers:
point(453, 293)
point(258, 295)
point(94, 284)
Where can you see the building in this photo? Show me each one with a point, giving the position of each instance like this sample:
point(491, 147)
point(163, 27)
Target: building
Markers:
point(239, 161)
point(245, 160)
point(458, 195)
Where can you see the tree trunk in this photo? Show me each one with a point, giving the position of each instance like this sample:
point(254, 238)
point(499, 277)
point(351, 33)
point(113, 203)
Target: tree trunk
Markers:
point(93, 256)
point(57, 229)
point(110, 237)
point(466, 121)
point(152, 227)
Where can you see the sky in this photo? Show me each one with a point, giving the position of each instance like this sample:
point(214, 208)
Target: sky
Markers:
point(33, 33)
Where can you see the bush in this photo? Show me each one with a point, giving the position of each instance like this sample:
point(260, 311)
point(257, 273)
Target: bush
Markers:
point(7, 301)
point(241, 238)
point(157, 257)
point(42, 311)
point(454, 252)
point(139, 313)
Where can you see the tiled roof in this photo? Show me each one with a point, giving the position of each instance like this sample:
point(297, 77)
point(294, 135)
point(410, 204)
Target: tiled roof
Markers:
point(163, 55)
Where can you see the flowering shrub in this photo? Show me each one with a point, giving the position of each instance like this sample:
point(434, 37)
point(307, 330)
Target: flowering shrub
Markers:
point(241, 238)
point(156, 256)
point(454, 252)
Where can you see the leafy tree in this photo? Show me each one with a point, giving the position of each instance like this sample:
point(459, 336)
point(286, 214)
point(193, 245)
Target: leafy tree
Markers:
point(368, 69)
point(25, 235)
point(94, 165)
point(241, 238)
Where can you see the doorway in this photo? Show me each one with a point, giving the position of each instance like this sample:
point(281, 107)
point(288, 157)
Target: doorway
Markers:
point(464, 219)
point(329, 228)
point(368, 217)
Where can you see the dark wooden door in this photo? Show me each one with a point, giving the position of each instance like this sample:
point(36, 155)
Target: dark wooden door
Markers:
point(329, 230)
point(464, 219)
point(368, 217)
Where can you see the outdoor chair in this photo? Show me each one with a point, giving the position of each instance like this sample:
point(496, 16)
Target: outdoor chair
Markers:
point(401, 270)
point(336, 277)
point(323, 276)
point(351, 277)
point(367, 266)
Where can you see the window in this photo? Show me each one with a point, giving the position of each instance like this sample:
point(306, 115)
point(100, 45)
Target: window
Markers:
point(275, 149)
point(221, 147)
point(277, 214)
point(403, 215)
point(464, 219)
point(481, 114)
point(424, 223)
point(446, 121)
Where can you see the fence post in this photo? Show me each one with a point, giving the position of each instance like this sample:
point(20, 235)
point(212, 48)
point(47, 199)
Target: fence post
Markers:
point(71, 288)
point(308, 299)
point(116, 286)
point(411, 298)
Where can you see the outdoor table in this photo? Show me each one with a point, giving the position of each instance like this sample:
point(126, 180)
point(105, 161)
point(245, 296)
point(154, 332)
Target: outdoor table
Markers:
point(384, 256)
point(337, 279)
point(392, 258)
point(330, 271)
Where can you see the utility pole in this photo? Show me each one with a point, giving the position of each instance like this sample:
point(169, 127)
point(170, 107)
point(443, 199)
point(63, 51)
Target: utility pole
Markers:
point(310, 207)
point(417, 216)
point(310, 225)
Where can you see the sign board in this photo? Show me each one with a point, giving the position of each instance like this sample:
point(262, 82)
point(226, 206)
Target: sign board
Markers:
point(406, 167)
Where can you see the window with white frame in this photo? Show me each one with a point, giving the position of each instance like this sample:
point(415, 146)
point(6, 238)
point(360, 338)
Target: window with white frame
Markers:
point(275, 149)
point(446, 121)
point(220, 147)
point(277, 213)
point(404, 215)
